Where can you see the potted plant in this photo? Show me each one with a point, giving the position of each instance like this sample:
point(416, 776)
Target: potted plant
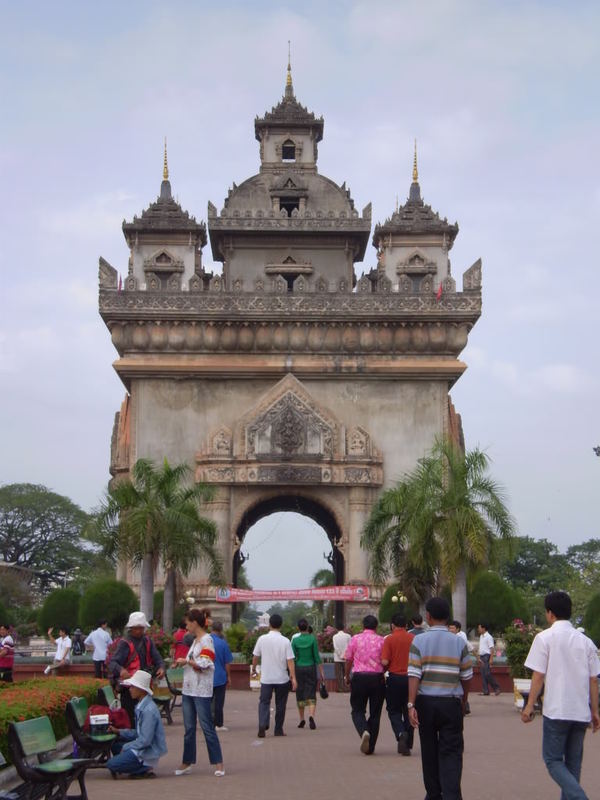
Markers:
point(518, 638)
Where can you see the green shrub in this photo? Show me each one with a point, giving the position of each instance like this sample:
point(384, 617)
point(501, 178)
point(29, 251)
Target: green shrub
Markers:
point(235, 635)
point(387, 608)
point(4, 615)
point(110, 600)
point(157, 606)
point(518, 638)
point(591, 619)
point(247, 645)
point(42, 697)
point(493, 601)
point(61, 608)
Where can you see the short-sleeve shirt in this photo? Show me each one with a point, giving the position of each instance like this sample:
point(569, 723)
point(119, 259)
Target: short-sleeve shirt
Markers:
point(99, 639)
point(63, 646)
point(440, 660)
point(7, 661)
point(364, 650)
point(568, 659)
point(340, 643)
point(486, 644)
point(199, 683)
point(223, 656)
point(395, 650)
point(274, 650)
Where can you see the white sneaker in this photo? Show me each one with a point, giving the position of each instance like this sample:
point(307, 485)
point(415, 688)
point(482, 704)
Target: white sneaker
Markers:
point(47, 671)
point(184, 771)
point(221, 728)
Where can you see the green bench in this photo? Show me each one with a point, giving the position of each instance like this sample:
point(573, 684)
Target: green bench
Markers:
point(174, 677)
point(106, 696)
point(89, 745)
point(35, 738)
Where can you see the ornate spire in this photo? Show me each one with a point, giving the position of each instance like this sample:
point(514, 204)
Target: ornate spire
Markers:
point(415, 170)
point(289, 88)
point(415, 190)
point(165, 164)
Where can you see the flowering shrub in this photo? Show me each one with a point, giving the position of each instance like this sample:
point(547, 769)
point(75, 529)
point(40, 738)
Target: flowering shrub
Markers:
point(518, 638)
point(325, 639)
point(42, 697)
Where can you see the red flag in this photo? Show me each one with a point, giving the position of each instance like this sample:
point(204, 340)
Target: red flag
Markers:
point(438, 295)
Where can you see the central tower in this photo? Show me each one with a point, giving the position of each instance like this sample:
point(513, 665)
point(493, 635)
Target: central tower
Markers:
point(286, 383)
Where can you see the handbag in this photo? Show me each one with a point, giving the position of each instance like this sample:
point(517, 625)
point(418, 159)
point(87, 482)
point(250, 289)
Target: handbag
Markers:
point(323, 690)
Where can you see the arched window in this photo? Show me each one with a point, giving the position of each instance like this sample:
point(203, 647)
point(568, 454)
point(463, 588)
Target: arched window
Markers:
point(288, 151)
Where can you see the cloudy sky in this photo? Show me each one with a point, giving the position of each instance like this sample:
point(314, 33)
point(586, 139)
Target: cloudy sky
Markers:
point(503, 99)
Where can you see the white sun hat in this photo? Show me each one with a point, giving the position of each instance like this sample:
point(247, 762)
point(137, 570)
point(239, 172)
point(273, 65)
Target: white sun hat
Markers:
point(137, 618)
point(141, 680)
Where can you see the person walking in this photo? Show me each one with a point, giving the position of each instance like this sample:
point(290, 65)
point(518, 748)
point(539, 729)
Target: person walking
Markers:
point(565, 664)
point(135, 651)
point(394, 657)
point(439, 671)
point(136, 751)
point(62, 656)
point(277, 669)
point(486, 658)
point(99, 640)
point(307, 659)
point(363, 657)
point(7, 653)
point(221, 680)
point(416, 625)
point(181, 642)
point(197, 690)
point(340, 643)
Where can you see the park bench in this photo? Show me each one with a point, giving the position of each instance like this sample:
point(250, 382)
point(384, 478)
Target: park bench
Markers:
point(89, 745)
point(106, 696)
point(163, 698)
point(35, 738)
point(174, 677)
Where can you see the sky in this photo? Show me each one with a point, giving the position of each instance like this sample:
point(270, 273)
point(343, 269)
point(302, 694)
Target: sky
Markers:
point(503, 100)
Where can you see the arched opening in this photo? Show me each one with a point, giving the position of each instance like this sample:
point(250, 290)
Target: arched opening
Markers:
point(288, 151)
point(295, 506)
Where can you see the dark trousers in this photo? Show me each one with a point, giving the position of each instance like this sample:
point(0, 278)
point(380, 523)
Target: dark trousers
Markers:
point(100, 669)
point(340, 667)
point(367, 687)
point(6, 674)
point(396, 698)
point(264, 704)
point(441, 735)
point(218, 703)
point(487, 679)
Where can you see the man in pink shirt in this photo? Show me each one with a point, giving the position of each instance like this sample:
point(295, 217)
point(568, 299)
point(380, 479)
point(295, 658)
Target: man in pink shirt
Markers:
point(363, 657)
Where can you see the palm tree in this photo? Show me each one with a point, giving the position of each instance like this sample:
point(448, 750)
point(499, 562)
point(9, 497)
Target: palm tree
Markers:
point(443, 518)
point(323, 577)
point(154, 516)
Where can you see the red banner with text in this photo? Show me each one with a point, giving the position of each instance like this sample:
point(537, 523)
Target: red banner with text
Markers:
point(354, 594)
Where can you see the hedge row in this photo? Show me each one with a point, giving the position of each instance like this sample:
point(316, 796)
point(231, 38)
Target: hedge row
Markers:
point(42, 697)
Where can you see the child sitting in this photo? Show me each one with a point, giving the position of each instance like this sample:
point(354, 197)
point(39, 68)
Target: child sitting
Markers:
point(136, 752)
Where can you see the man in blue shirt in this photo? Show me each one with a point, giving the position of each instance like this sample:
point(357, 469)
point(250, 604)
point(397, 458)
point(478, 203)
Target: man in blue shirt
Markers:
point(136, 752)
point(223, 659)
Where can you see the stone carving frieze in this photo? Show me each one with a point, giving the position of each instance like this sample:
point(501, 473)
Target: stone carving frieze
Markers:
point(289, 438)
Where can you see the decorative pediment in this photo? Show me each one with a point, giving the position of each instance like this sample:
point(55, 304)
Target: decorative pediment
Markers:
point(163, 262)
point(416, 263)
point(288, 437)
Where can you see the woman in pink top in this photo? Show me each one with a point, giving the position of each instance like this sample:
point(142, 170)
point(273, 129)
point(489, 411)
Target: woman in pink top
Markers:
point(363, 657)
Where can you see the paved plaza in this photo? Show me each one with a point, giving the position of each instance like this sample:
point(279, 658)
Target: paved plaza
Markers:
point(502, 759)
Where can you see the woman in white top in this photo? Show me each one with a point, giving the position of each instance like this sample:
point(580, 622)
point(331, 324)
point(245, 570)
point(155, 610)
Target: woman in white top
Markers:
point(198, 672)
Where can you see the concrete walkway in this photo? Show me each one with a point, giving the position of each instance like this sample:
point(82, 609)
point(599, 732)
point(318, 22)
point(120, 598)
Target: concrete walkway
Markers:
point(502, 760)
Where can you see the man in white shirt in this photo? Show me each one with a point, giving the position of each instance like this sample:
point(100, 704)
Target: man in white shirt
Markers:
point(486, 657)
point(99, 640)
point(566, 661)
point(63, 649)
point(340, 641)
point(277, 669)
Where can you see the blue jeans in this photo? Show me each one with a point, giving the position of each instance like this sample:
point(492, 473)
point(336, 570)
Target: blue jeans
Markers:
point(125, 761)
point(199, 707)
point(562, 751)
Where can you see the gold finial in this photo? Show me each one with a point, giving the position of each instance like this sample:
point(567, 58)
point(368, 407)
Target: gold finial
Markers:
point(165, 165)
point(288, 80)
point(415, 171)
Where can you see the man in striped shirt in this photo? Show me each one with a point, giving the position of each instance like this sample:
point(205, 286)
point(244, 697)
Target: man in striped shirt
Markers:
point(439, 671)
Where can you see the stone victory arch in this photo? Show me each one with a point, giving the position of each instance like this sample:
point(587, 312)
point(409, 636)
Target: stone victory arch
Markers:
point(285, 382)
